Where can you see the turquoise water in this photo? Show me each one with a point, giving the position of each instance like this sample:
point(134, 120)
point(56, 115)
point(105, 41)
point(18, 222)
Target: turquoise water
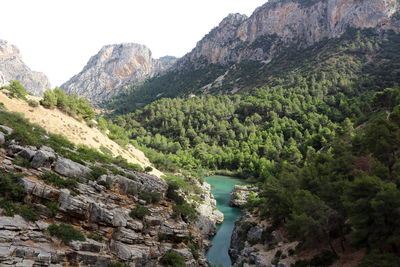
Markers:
point(221, 187)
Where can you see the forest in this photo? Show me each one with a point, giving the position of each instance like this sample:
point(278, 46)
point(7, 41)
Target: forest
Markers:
point(319, 133)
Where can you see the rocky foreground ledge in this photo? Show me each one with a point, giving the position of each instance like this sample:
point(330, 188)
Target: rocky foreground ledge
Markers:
point(101, 209)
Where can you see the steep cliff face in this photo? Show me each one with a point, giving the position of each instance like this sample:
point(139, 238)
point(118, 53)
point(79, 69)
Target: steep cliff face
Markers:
point(13, 68)
point(113, 67)
point(283, 23)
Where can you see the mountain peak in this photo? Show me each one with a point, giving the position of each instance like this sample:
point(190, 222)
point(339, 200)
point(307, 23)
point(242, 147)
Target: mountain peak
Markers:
point(114, 67)
point(13, 68)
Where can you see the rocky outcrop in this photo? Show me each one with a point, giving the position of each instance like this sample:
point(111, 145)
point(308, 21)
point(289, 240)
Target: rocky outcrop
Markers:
point(113, 68)
point(100, 209)
point(283, 23)
point(241, 193)
point(256, 243)
point(13, 68)
point(209, 215)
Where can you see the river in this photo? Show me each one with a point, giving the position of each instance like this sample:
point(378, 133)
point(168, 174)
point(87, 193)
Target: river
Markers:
point(221, 187)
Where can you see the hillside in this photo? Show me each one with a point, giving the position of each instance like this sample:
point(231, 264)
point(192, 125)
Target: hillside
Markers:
point(78, 132)
point(316, 129)
point(242, 53)
point(65, 205)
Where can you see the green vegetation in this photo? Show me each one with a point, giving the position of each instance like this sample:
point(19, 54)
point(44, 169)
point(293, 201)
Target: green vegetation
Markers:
point(173, 259)
point(139, 212)
point(12, 194)
point(17, 89)
point(117, 264)
point(70, 104)
point(319, 136)
point(176, 185)
point(65, 232)
point(95, 237)
point(150, 197)
point(96, 172)
point(10, 188)
point(27, 212)
point(20, 161)
point(57, 181)
point(52, 207)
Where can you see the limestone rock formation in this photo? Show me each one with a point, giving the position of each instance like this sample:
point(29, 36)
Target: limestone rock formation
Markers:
point(13, 68)
point(114, 67)
point(98, 208)
point(283, 23)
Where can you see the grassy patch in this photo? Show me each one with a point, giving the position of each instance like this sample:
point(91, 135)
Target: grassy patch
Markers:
point(57, 181)
point(96, 172)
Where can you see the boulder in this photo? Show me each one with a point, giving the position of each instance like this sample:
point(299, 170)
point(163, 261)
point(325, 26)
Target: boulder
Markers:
point(129, 252)
point(153, 220)
point(6, 129)
point(27, 153)
point(141, 181)
point(88, 245)
point(72, 206)
point(175, 230)
point(104, 216)
point(2, 138)
point(39, 189)
point(128, 237)
point(42, 159)
point(69, 168)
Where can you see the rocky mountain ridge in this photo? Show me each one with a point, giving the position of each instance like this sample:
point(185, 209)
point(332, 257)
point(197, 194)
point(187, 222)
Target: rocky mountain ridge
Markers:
point(114, 67)
point(243, 53)
point(286, 23)
point(13, 68)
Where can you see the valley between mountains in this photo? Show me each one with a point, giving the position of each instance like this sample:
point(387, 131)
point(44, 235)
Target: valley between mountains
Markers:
point(274, 142)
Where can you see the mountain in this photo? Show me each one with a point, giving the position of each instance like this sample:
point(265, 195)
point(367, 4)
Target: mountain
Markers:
point(13, 68)
point(285, 23)
point(114, 67)
point(241, 53)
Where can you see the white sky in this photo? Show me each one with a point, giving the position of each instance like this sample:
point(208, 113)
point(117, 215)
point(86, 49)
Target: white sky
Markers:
point(58, 37)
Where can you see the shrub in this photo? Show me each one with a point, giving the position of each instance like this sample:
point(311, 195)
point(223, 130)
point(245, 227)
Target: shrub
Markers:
point(27, 212)
point(150, 197)
point(52, 207)
point(187, 211)
point(380, 260)
point(10, 188)
point(32, 103)
point(20, 161)
point(96, 172)
point(117, 264)
point(65, 232)
point(9, 208)
point(116, 171)
point(57, 181)
point(139, 212)
point(148, 169)
point(96, 237)
point(17, 89)
point(49, 99)
point(173, 259)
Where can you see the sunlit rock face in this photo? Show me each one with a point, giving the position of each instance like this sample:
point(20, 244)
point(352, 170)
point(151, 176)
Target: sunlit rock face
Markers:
point(284, 23)
point(13, 68)
point(113, 68)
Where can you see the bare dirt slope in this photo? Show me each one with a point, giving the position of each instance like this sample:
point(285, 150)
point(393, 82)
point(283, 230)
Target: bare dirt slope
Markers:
point(76, 131)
